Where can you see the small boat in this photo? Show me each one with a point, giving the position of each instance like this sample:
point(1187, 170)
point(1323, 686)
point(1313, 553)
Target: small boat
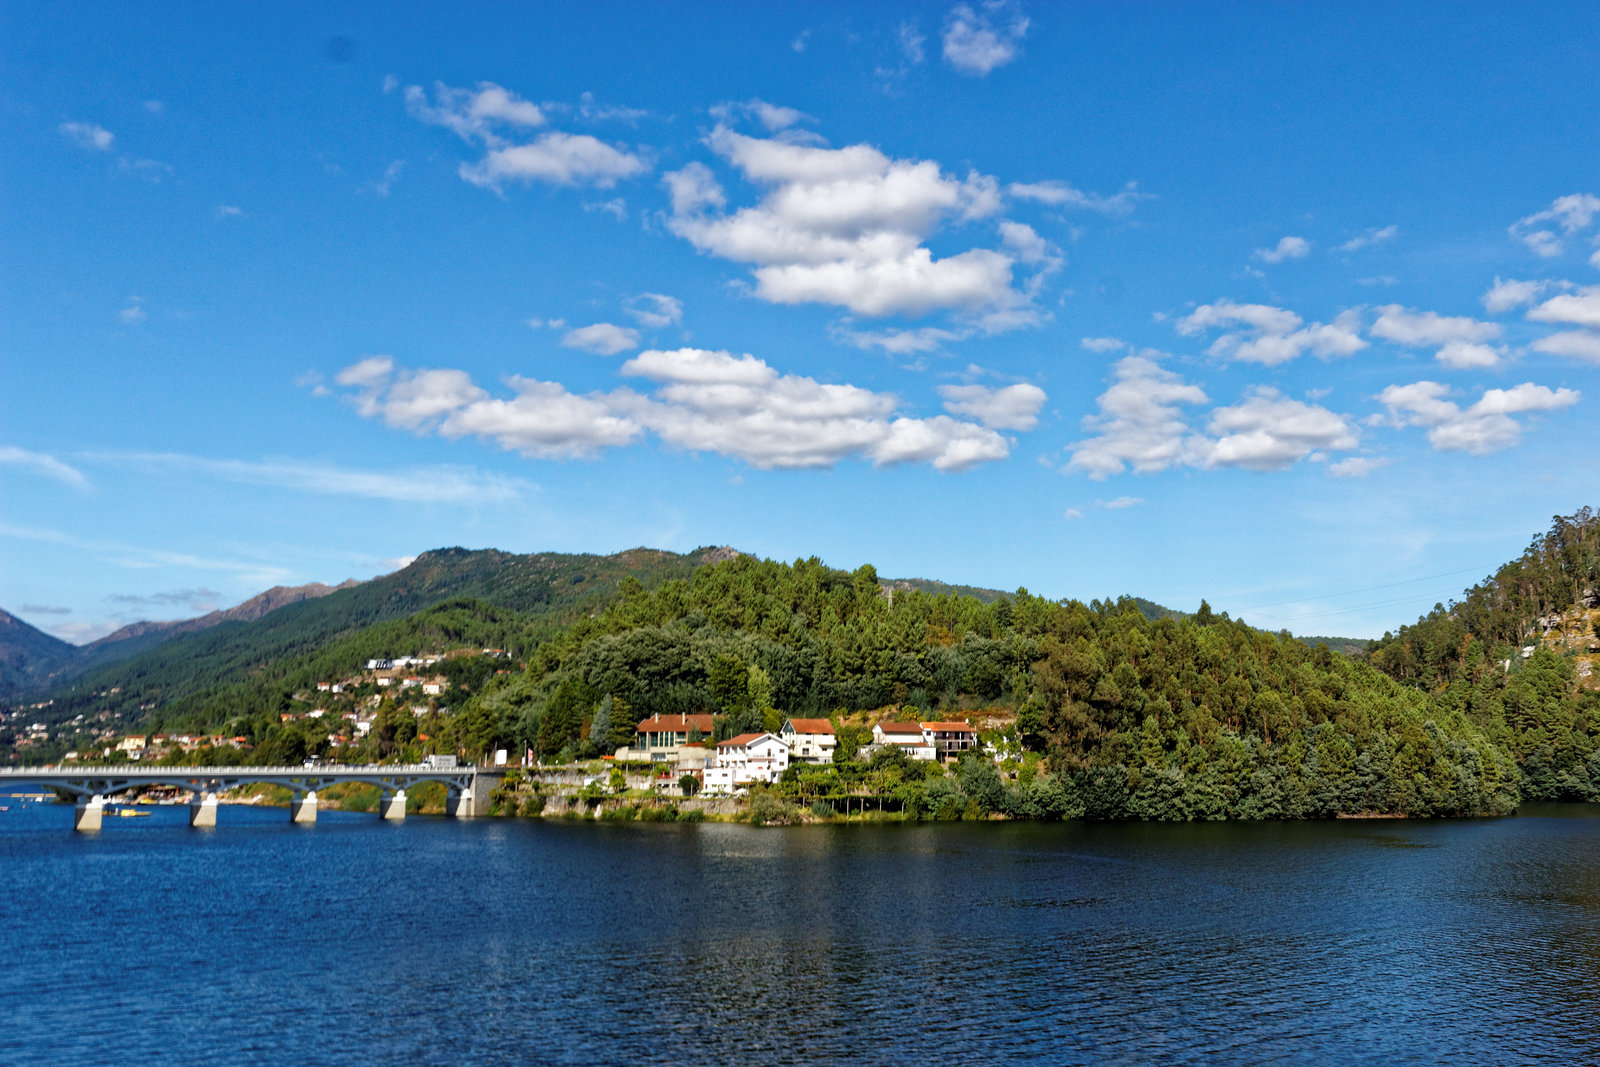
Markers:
point(126, 814)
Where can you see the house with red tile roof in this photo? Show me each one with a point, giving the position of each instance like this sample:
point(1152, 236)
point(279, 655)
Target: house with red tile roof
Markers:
point(809, 740)
point(661, 736)
point(745, 759)
point(905, 736)
point(950, 739)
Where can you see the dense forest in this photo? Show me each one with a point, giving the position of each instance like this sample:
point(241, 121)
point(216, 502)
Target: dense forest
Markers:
point(1111, 709)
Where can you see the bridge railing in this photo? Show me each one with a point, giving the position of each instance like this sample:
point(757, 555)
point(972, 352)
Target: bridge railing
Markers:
point(102, 770)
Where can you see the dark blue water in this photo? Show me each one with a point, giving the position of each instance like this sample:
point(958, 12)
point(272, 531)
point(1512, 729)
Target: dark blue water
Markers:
point(495, 941)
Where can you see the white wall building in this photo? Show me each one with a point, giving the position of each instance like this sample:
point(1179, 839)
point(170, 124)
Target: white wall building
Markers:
point(745, 759)
point(810, 740)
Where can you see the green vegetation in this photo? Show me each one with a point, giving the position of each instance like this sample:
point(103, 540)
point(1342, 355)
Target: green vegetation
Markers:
point(1111, 709)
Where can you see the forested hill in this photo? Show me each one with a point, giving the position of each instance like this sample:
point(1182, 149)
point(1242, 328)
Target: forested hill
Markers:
point(1555, 583)
point(547, 590)
point(27, 655)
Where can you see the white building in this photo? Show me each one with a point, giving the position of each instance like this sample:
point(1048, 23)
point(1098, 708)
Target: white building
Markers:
point(810, 740)
point(745, 759)
point(907, 737)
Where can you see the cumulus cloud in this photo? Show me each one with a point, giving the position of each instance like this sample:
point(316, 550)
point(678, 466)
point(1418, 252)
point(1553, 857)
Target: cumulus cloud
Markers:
point(1574, 344)
point(1140, 423)
point(1014, 407)
point(1486, 426)
point(1269, 432)
point(846, 226)
point(772, 116)
point(701, 401)
point(1579, 308)
point(603, 338)
point(655, 311)
point(1287, 248)
point(976, 43)
point(1568, 214)
point(1371, 237)
point(1509, 293)
point(1460, 341)
point(1122, 503)
point(134, 313)
point(489, 115)
point(1060, 194)
point(1271, 335)
point(88, 135)
point(1103, 344)
point(40, 463)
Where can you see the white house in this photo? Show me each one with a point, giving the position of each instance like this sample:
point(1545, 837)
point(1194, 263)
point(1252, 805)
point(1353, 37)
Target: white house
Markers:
point(745, 759)
point(810, 740)
point(950, 739)
point(907, 737)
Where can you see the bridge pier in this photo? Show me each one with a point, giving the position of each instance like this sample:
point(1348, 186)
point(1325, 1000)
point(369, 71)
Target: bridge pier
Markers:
point(203, 809)
point(303, 807)
point(89, 811)
point(459, 805)
point(392, 805)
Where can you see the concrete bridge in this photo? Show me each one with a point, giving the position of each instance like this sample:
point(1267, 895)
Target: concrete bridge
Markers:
point(467, 787)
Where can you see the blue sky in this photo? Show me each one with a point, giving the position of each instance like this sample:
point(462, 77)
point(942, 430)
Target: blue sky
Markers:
point(1296, 309)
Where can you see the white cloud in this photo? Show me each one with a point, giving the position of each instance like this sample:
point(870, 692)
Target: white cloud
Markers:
point(440, 484)
point(771, 116)
point(897, 342)
point(846, 227)
point(1574, 344)
point(655, 311)
point(1371, 237)
point(1122, 503)
point(391, 174)
point(702, 401)
point(39, 463)
point(1269, 432)
point(473, 114)
point(1060, 194)
point(151, 170)
point(1579, 308)
point(1510, 293)
point(155, 107)
point(88, 135)
point(558, 158)
point(1356, 466)
point(1486, 426)
point(134, 313)
point(1569, 214)
point(616, 207)
point(1460, 341)
point(1271, 335)
point(487, 114)
point(977, 43)
point(1287, 248)
point(1140, 424)
point(1103, 344)
point(229, 211)
point(1072, 515)
point(1014, 407)
point(603, 338)
point(911, 44)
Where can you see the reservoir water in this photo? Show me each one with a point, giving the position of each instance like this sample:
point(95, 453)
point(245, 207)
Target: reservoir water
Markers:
point(510, 941)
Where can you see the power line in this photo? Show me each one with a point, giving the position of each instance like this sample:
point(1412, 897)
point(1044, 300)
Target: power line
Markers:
point(1368, 589)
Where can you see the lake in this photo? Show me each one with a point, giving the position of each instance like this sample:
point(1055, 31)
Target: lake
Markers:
point(511, 941)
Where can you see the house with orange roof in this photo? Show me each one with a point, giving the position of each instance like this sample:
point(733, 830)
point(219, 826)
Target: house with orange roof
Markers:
point(745, 759)
point(660, 737)
point(809, 740)
point(950, 739)
point(905, 736)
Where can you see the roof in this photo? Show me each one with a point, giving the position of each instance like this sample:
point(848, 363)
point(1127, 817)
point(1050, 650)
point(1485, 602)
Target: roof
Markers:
point(667, 724)
point(951, 727)
point(901, 728)
point(811, 726)
point(742, 739)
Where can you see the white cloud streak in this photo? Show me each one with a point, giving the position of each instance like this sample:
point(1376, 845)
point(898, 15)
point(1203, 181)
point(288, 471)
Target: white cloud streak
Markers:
point(1061, 194)
point(1287, 248)
point(1271, 335)
point(88, 135)
point(702, 401)
point(40, 463)
point(602, 338)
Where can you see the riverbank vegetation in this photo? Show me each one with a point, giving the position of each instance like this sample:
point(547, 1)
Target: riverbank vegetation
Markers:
point(1106, 709)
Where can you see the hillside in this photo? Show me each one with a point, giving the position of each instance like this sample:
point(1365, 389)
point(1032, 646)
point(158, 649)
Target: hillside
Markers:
point(28, 655)
point(552, 588)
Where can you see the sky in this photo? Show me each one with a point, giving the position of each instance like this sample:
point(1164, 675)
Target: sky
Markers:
point(1295, 308)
